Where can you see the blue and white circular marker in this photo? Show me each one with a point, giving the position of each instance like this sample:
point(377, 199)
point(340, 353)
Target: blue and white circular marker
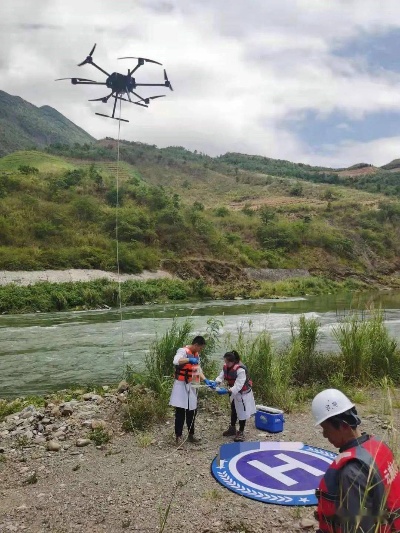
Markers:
point(283, 473)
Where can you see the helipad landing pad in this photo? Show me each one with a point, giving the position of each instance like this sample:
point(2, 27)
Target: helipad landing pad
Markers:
point(283, 473)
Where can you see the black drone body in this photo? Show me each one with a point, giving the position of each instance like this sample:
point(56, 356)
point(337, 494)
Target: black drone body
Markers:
point(121, 84)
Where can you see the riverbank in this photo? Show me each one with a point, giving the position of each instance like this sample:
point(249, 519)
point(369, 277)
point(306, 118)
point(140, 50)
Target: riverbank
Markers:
point(126, 484)
point(106, 293)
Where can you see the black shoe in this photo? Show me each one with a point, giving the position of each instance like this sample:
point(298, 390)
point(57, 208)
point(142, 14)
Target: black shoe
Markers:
point(239, 437)
point(193, 439)
point(230, 432)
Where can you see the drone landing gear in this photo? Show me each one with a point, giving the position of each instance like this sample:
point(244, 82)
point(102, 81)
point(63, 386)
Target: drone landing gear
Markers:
point(115, 118)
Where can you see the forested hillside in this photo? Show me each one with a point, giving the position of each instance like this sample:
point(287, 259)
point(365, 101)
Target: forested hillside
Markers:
point(58, 210)
point(23, 125)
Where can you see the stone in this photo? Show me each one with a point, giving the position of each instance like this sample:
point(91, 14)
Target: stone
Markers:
point(307, 523)
point(97, 424)
point(39, 440)
point(123, 386)
point(80, 443)
point(66, 409)
point(87, 396)
point(53, 446)
point(97, 398)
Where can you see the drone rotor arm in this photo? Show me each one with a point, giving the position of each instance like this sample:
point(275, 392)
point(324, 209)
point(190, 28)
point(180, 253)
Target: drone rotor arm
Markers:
point(99, 68)
point(130, 101)
point(137, 95)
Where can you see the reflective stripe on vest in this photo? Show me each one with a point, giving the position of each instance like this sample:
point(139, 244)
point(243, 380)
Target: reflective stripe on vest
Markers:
point(184, 372)
point(384, 482)
point(230, 375)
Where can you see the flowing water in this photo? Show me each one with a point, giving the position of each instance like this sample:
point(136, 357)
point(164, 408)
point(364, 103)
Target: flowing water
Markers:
point(48, 351)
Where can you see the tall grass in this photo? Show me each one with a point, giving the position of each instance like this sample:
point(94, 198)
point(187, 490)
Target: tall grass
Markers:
point(158, 362)
point(149, 396)
point(284, 377)
point(367, 350)
point(302, 356)
point(270, 374)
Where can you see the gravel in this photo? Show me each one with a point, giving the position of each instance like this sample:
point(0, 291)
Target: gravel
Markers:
point(127, 484)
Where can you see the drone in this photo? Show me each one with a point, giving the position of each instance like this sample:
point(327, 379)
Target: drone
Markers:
point(121, 85)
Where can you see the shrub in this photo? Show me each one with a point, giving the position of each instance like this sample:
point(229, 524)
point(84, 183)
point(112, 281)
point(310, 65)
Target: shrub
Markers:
point(144, 408)
point(99, 436)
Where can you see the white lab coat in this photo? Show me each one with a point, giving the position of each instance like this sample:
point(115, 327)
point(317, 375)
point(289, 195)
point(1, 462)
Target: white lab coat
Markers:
point(183, 394)
point(244, 403)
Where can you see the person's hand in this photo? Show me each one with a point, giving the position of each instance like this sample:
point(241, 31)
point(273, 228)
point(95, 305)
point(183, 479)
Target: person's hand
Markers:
point(193, 360)
point(222, 390)
point(210, 383)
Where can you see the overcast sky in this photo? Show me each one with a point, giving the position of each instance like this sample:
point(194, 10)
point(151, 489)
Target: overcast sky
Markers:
point(306, 80)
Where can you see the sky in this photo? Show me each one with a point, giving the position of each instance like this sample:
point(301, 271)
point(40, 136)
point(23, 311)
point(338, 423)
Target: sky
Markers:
point(305, 80)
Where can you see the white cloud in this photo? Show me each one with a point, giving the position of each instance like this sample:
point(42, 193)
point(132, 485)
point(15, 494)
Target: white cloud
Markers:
point(238, 70)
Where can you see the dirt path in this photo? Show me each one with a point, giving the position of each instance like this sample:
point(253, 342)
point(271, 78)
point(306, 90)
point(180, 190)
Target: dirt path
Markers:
point(22, 277)
point(127, 484)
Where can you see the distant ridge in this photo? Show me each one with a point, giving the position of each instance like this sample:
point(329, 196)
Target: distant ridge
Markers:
point(23, 125)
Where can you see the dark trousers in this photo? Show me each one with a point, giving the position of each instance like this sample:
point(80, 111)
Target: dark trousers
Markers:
point(180, 415)
point(234, 417)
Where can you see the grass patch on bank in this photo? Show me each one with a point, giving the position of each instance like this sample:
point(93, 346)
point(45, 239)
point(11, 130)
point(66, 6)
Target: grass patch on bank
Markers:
point(47, 297)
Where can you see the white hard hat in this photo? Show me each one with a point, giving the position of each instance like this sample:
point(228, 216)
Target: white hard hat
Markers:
point(329, 402)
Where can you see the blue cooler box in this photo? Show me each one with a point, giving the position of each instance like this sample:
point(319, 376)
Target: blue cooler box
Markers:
point(269, 419)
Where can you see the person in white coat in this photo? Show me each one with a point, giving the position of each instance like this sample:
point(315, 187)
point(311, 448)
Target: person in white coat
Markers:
point(184, 395)
point(241, 395)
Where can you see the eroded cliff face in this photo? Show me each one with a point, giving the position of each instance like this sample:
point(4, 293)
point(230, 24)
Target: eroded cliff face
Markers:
point(209, 270)
point(218, 272)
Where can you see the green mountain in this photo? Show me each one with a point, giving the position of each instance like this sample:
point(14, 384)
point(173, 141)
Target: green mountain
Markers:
point(176, 207)
point(25, 126)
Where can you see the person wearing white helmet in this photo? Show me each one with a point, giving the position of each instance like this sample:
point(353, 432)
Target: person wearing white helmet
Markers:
point(360, 492)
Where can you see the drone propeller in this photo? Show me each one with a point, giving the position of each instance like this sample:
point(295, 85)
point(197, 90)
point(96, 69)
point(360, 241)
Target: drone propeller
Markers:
point(74, 81)
point(147, 100)
point(167, 82)
point(142, 60)
point(89, 58)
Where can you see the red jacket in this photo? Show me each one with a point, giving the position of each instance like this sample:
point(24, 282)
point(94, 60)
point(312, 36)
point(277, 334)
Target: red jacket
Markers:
point(383, 480)
point(230, 375)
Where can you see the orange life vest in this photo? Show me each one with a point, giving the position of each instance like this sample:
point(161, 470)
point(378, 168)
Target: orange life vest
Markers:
point(230, 375)
point(384, 482)
point(184, 372)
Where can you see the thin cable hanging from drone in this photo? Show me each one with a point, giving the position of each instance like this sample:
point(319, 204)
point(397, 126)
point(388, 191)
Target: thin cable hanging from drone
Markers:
point(121, 319)
point(120, 85)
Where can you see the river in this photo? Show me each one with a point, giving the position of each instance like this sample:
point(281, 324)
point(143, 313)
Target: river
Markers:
point(48, 351)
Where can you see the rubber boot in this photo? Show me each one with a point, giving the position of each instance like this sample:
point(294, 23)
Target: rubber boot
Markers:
point(230, 432)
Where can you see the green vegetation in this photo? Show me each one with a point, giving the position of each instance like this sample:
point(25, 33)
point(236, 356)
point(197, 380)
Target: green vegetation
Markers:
point(47, 297)
point(61, 213)
point(99, 436)
point(284, 377)
point(64, 209)
point(23, 125)
point(148, 399)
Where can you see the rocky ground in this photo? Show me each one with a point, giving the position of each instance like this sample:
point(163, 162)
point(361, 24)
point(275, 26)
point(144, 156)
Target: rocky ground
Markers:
point(58, 475)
